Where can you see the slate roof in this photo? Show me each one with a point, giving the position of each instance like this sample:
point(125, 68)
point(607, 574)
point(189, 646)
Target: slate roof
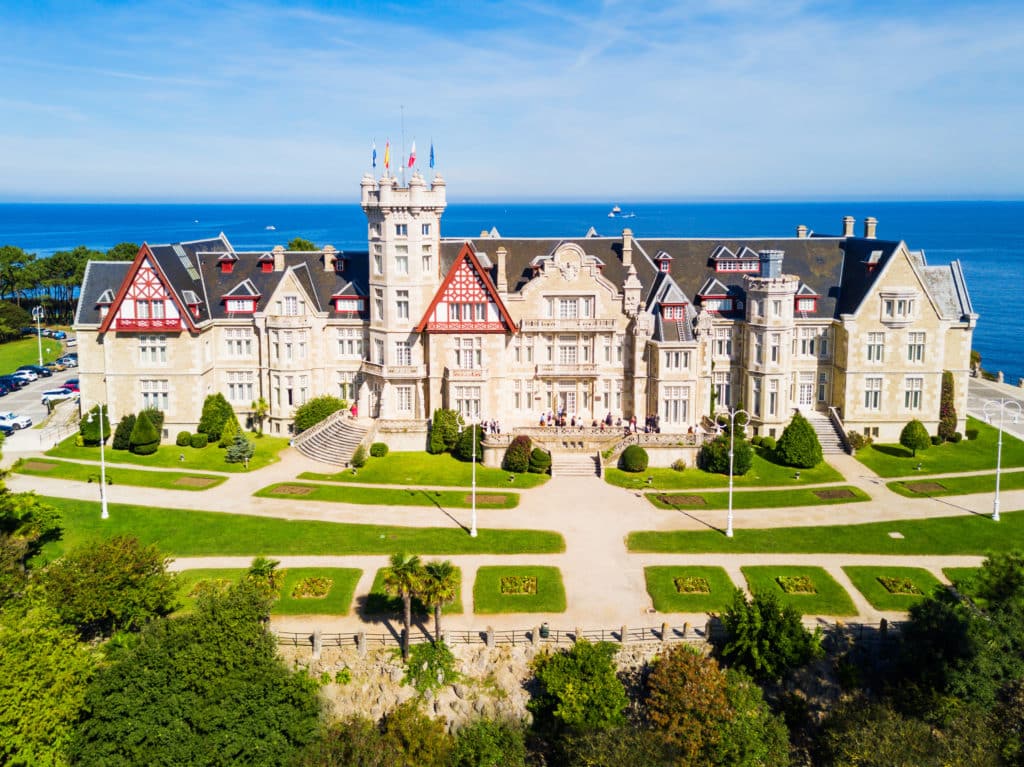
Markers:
point(99, 277)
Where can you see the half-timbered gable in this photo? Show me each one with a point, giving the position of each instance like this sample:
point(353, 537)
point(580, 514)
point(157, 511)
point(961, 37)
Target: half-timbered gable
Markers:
point(466, 302)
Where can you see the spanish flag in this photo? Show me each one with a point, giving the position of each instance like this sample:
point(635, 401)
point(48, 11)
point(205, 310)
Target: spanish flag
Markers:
point(412, 154)
point(387, 154)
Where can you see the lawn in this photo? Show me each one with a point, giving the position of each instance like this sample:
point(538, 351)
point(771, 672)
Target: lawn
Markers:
point(25, 351)
point(960, 576)
point(968, 455)
point(764, 499)
point(967, 534)
point(830, 598)
point(116, 475)
point(337, 601)
point(375, 496)
point(378, 602)
point(866, 579)
point(661, 585)
point(763, 473)
point(488, 598)
point(426, 469)
point(975, 483)
point(170, 456)
point(184, 533)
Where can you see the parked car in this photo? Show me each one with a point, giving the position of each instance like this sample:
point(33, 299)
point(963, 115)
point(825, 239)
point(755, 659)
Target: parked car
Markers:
point(68, 361)
point(5, 429)
point(54, 367)
point(60, 335)
point(5, 389)
point(71, 383)
point(56, 395)
point(13, 382)
point(28, 376)
point(14, 420)
point(39, 370)
point(28, 331)
point(71, 342)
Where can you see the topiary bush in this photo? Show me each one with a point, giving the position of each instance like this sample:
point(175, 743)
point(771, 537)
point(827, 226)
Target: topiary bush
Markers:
point(145, 438)
point(915, 437)
point(633, 459)
point(444, 431)
point(756, 440)
point(947, 408)
point(230, 430)
point(857, 440)
point(936, 440)
point(216, 411)
point(184, 439)
point(679, 465)
point(89, 430)
point(378, 449)
point(799, 446)
point(316, 410)
point(156, 417)
point(359, 457)
point(971, 434)
point(123, 432)
point(540, 461)
point(517, 455)
point(714, 456)
point(199, 440)
point(464, 449)
point(768, 443)
point(957, 437)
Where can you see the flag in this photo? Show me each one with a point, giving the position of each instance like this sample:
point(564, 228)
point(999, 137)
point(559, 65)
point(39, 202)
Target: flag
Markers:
point(431, 154)
point(412, 154)
point(387, 154)
point(374, 157)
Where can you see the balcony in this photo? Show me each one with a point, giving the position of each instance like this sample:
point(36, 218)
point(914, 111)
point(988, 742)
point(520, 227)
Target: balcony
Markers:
point(465, 374)
point(148, 325)
point(576, 370)
point(393, 371)
point(578, 324)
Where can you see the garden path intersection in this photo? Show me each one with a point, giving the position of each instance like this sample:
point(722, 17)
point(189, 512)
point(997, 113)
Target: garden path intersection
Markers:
point(604, 582)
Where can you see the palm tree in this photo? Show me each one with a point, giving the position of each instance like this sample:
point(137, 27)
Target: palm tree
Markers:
point(260, 408)
point(439, 587)
point(402, 579)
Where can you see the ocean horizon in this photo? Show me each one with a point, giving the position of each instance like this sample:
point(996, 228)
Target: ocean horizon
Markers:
point(984, 235)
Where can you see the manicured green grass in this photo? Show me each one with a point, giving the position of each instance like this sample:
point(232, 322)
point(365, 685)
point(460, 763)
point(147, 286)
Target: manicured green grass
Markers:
point(376, 496)
point(419, 469)
point(763, 473)
point(25, 351)
point(764, 499)
point(204, 533)
point(378, 602)
point(949, 458)
point(667, 598)
point(866, 580)
point(87, 472)
point(959, 576)
point(968, 534)
point(830, 599)
point(974, 483)
point(168, 456)
point(488, 599)
point(337, 601)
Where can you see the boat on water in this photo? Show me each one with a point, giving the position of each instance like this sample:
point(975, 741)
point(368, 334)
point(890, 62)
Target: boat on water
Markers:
point(270, 228)
point(615, 211)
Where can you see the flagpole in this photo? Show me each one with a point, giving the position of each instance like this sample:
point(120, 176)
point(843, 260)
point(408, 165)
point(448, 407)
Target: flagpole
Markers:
point(402, 108)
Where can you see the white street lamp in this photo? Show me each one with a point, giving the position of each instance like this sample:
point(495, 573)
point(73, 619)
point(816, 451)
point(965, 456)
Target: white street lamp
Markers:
point(462, 425)
point(732, 442)
point(104, 514)
point(37, 314)
point(1000, 406)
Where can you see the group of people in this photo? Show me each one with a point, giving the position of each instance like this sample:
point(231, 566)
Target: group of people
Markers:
point(652, 424)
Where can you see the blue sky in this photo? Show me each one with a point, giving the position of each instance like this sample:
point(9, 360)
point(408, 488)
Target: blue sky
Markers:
point(628, 101)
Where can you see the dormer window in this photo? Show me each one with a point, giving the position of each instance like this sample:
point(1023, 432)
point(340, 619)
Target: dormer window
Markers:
point(349, 304)
point(673, 311)
point(664, 261)
point(240, 305)
point(807, 304)
point(339, 265)
point(899, 307)
point(227, 263)
point(746, 261)
point(266, 262)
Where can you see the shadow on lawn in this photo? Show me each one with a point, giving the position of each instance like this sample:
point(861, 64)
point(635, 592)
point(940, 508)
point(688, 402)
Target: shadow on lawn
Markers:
point(896, 451)
point(433, 500)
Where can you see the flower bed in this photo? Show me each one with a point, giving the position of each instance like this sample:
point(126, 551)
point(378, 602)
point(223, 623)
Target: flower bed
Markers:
point(692, 584)
point(796, 584)
point(315, 587)
point(899, 585)
point(210, 586)
point(518, 584)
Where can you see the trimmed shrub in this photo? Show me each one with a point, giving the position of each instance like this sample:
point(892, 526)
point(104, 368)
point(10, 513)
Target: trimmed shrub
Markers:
point(947, 408)
point(798, 446)
point(444, 431)
point(199, 440)
point(915, 437)
point(123, 432)
point(971, 434)
point(231, 430)
point(184, 439)
point(856, 439)
point(714, 456)
point(936, 439)
point(634, 459)
point(679, 465)
point(359, 457)
point(216, 411)
point(768, 443)
point(756, 440)
point(145, 438)
point(240, 450)
point(957, 437)
point(517, 455)
point(378, 449)
point(89, 431)
point(156, 417)
point(316, 410)
point(540, 461)
point(464, 449)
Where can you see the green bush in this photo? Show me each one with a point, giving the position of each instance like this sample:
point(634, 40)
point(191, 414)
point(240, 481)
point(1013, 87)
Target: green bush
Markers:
point(184, 439)
point(798, 446)
point(679, 465)
point(768, 443)
point(464, 448)
point(540, 461)
point(489, 742)
point(156, 417)
point(957, 437)
point(714, 456)
point(145, 438)
point(915, 437)
point(216, 412)
point(936, 439)
point(947, 408)
point(378, 449)
point(230, 430)
point(316, 410)
point(971, 434)
point(89, 431)
point(857, 440)
point(123, 432)
point(359, 457)
point(444, 431)
point(756, 440)
point(199, 440)
point(517, 455)
point(633, 459)
point(240, 450)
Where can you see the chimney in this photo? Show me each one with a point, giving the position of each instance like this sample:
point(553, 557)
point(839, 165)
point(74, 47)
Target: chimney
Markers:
point(771, 263)
point(329, 258)
point(801, 231)
point(502, 283)
point(278, 258)
point(627, 247)
point(870, 223)
point(848, 226)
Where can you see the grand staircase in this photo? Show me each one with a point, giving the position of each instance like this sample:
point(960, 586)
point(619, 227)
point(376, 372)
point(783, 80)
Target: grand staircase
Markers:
point(575, 464)
point(831, 441)
point(332, 441)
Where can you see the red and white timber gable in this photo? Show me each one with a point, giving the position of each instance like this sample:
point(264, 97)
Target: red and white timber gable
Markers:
point(144, 303)
point(467, 301)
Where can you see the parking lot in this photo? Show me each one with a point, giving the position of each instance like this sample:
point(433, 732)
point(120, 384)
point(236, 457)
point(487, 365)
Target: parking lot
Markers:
point(27, 401)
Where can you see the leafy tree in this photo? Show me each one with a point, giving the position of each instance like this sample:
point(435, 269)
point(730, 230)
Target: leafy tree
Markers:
point(402, 579)
point(298, 243)
point(766, 639)
point(517, 455)
point(915, 437)
point(229, 431)
point(204, 689)
point(355, 740)
point(44, 672)
point(216, 411)
point(89, 426)
point(470, 444)
point(145, 439)
point(413, 739)
point(241, 450)
point(16, 268)
point(123, 251)
point(714, 456)
point(316, 410)
point(260, 410)
point(799, 446)
point(578, 690)
point(444, 430)
point(634, 459)
point(123, 432)
point(110, 585)
point(438, 587)
point(13, 318)
point(489, 743)
point(60, 274)
point(947, 407)
point(752, 735)
point(628, 745)
point(26, 524)
point(263, 572)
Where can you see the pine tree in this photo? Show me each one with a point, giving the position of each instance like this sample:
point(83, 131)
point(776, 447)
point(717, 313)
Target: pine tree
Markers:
point(145, 439)
point(230, 430)
point(798, 446)
point(123, 432)
point(240, 450)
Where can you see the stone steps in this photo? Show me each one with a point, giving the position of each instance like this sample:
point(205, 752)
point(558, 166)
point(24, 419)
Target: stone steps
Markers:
point(831, 442)
point(575, 465)
point(334, 443)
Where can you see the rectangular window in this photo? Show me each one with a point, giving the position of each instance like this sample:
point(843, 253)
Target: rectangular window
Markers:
point(755, 395)
point(153, 350)
point(723, 388)
point(776, 308)
point(239, 342)
point(723, 342)
point(823, 344)
point(403, 399)
point(915, 347)
point(241, 386)
point(822, 387)
point(291, 306)
point(402, 304)
point(673, 360)
point(808, 339)
point(805, 304)
point(403, 353)
point(348, 385)
point(469, 353)
point(774, 348)
point(378, 260)
point(876, 347)
point(675, 404)
point(872, 393)
point(402, 259)
point(758, 352)
point(425, 230)
point(568, 308)
point(155, 394)
point(912, 394)
point(620, 345)
point(378, 304)
point(467, 401)
point(773, 396)
point(350, 343)
point(378, 351)
point(428, 259)
point(401, 230)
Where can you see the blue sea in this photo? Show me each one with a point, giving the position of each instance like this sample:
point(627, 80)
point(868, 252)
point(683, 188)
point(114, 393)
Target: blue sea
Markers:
point(986, 236)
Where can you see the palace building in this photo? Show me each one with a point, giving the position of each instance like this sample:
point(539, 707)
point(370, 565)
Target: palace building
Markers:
point(852, 328)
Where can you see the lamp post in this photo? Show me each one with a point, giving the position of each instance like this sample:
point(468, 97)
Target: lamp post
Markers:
point(104, 514)
point(472, 524)
point(732, 442)
point(1000, 406)
point(37, 314)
